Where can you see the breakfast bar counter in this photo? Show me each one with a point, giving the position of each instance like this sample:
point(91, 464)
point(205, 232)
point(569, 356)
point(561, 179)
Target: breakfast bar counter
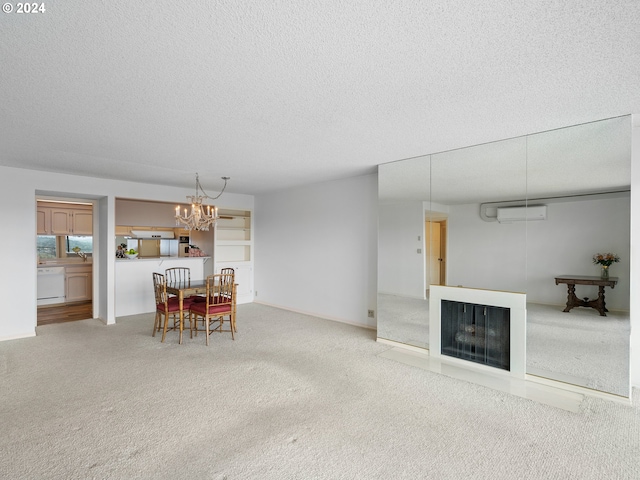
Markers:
point(134, 280)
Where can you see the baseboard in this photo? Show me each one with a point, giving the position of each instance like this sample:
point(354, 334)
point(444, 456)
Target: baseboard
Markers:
point(424, 351)
point(413, 297)
point(16, 337)
point(578, 389)
point(312, 314)
point(559, 386)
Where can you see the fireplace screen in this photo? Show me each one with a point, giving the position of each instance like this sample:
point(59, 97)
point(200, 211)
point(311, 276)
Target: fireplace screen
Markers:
point(478, 333)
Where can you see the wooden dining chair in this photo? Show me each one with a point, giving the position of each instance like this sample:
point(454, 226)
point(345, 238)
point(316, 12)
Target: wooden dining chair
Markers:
point(165, 307)
point(220, 302)
point(229, 276)
point(178, 274)
point(182, 275)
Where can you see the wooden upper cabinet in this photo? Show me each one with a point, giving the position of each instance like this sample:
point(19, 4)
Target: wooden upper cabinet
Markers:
point(122, 231)
point(43, 218)
point(64, 221)
point(82, 222)
point(61, 222)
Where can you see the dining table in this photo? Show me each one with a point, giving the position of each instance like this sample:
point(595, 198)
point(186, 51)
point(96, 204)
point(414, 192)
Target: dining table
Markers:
point(183, 290)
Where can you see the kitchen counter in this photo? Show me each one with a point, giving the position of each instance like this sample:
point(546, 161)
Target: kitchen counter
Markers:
point(61, 262)
point(159, 259)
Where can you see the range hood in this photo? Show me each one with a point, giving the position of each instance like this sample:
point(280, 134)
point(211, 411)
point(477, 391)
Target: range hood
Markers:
point(153, 234)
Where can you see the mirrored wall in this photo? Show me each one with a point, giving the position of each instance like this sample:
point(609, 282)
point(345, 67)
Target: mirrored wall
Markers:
point(438, 225)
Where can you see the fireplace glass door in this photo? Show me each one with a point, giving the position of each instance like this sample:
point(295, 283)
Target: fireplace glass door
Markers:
point(477, 333)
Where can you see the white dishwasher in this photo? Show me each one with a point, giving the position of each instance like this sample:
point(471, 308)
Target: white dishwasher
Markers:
point(50, 285)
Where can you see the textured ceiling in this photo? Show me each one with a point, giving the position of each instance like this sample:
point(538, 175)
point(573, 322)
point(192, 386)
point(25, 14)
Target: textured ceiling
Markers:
point(278, 94)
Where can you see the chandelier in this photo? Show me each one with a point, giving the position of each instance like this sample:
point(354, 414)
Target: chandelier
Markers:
point(201, 217)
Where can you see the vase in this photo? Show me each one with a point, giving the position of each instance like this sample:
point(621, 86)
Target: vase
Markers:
point(604, 273)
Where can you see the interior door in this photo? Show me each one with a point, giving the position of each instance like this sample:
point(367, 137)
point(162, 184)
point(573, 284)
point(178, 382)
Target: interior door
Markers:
point(435, 242)
point(434, 253)
point(443, 252)
point(432, 249)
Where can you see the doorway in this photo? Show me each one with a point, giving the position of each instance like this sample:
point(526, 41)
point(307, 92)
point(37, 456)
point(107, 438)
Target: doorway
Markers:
point(435, 235)
point(64, 244)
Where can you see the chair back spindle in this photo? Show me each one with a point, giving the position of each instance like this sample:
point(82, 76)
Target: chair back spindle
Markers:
point(179, 275)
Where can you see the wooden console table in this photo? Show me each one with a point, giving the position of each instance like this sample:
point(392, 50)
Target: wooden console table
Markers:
point(573, 301)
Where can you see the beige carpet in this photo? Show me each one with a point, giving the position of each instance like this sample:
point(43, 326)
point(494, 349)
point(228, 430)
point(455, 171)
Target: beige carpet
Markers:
point(293, 397)
point(579, 347)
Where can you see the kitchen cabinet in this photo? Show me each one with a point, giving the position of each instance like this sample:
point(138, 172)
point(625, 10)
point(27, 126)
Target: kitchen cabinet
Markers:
point(244, 279)
point(43, 218)
point(55, 220)
point(61, 221)
point(78, 281)
point(123, 231)
point(82, 222)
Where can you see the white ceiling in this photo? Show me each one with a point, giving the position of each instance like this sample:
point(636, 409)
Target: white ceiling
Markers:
point(277, 93)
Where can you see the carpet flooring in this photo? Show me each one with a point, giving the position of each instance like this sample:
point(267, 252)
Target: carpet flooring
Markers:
point(579, 347)
point(293, 397)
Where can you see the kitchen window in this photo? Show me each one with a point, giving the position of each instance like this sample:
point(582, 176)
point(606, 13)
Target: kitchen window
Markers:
point(83, 242)
point(52, 246)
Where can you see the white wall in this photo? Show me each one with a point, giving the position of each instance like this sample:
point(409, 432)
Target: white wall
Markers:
point(553, 248)
point(483, 254)
point(400, 235)
point(316, 249)
point(18, 188)
point(526, 257)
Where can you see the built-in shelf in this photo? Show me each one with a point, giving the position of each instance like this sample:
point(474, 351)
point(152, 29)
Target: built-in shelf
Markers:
point(233, 236)
point(234, 249)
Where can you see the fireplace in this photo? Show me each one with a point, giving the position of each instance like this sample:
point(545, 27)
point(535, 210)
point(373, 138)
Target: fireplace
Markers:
point(478, 333)
point(478, 328)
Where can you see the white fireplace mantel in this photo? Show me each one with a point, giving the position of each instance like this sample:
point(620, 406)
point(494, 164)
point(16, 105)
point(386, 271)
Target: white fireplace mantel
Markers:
point(515, 302)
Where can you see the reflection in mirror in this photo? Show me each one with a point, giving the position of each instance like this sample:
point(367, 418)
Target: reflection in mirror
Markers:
point(403, 189)
point(481, 253)
point(568, 169)
point(579, 177)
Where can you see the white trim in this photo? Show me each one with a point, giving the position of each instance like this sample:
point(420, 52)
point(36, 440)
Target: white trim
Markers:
point(577, 389)
point(424, 351)
point(542, 390)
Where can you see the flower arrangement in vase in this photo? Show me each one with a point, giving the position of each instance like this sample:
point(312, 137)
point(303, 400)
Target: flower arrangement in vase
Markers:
point(605, 260)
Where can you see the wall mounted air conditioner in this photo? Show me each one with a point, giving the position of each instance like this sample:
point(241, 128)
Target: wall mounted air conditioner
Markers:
point(518, 214)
